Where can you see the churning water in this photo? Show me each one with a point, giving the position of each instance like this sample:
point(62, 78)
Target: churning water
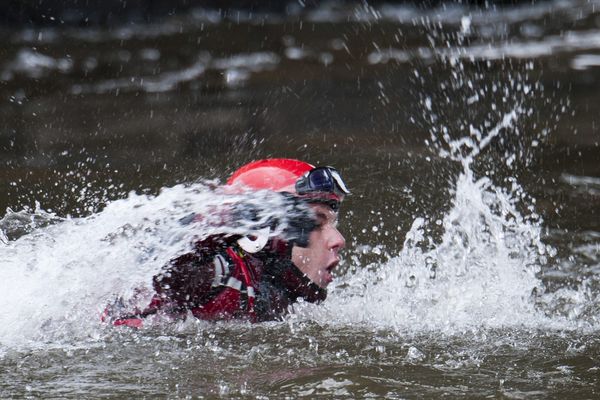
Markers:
point(478, 290)
point(420, 322)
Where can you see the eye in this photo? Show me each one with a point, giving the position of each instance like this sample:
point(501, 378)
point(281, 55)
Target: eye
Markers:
point(320, 221)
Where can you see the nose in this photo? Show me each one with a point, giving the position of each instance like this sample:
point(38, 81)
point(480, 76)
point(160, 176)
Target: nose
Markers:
point(336, 240)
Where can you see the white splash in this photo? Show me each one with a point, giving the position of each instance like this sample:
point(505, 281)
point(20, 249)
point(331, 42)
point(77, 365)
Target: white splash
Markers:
point(56, 279)
point(483, 272)
point(58, 274)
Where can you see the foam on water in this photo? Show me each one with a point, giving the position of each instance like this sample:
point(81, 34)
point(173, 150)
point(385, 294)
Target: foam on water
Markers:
point(236, 68)
point(152, 84)
point(568, 42)
point(34, 65)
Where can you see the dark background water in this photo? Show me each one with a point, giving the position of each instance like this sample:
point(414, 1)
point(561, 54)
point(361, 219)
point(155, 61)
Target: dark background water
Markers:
point(314, 94)
point(139, 101)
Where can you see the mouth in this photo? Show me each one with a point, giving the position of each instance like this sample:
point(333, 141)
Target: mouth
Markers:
point(328, 278)
point(332, 265)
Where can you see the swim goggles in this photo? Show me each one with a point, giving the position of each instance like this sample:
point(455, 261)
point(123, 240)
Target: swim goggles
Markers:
point(322, 180)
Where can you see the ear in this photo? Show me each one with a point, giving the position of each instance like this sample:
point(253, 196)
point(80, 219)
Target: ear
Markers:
point(280, 246)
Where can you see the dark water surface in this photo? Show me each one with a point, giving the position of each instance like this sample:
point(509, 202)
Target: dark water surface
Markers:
point(495, 294)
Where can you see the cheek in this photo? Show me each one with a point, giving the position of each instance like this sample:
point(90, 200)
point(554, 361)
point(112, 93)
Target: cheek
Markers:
point(319, 249)
point(316, 250)
point(304, 255)
point(300, 256)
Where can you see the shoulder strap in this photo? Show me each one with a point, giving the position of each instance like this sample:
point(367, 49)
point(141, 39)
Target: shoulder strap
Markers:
point(248, 279)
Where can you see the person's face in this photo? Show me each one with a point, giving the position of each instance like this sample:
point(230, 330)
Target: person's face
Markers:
point(321, 256)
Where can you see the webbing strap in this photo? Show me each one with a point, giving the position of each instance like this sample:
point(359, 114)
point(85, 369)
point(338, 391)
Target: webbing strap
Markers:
point(247, 280)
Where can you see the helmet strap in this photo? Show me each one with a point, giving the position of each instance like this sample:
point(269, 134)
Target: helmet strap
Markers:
point(255, 241)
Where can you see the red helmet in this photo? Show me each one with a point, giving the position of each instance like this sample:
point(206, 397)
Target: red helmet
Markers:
point(277, 174)
point(314, 184)
point(293, 176)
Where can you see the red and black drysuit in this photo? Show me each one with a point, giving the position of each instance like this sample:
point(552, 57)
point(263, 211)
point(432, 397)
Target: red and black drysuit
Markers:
point(220, 281)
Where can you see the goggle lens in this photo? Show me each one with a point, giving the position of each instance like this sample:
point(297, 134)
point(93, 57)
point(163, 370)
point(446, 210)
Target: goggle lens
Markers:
point(322, 179)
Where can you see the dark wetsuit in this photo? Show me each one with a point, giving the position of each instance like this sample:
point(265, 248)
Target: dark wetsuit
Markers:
point(219, 281)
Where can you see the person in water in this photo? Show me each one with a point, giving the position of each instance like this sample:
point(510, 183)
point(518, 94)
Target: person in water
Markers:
point(257, 277)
